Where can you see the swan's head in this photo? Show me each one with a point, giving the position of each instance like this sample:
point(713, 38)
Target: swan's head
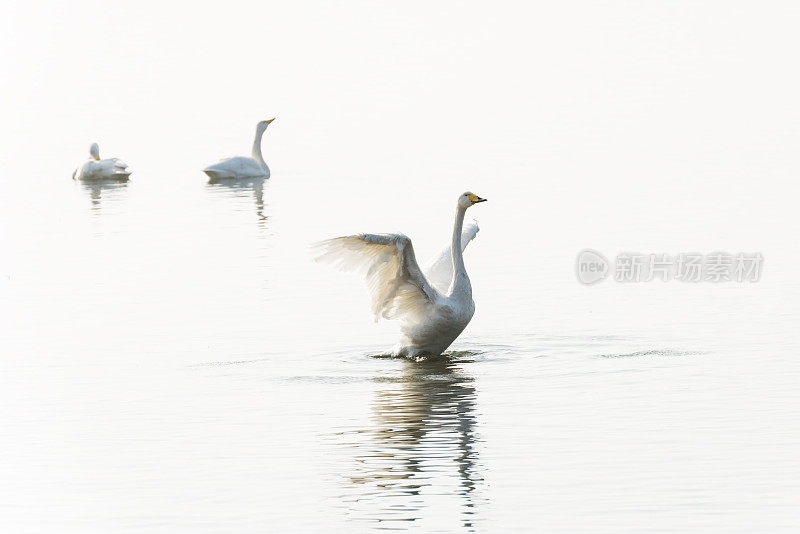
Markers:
point(94, 151)
point(469, 199)
point(263, 125)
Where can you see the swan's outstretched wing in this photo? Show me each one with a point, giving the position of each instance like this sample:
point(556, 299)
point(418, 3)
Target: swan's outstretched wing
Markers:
point(439, 272)
point(395, 281)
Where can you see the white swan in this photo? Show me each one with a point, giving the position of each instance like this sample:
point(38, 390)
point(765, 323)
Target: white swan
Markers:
point(241, 167)
point(101, 169)
point(434, 307)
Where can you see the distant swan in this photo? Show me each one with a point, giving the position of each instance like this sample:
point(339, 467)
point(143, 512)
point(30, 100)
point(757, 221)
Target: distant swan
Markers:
point(433, 308)
point(101, 169)
point(241, 167)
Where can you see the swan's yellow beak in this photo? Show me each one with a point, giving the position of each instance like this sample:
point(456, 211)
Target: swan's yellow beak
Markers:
point(475, 198)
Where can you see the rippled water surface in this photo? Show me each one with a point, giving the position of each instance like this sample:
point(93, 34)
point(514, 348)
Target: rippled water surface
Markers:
point(172, 361)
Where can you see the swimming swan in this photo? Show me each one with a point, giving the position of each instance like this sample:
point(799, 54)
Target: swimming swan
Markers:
point(101, 169)
point(241, 167)
point(434, 307)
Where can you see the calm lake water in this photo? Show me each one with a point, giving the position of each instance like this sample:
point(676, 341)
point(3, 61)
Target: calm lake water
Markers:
point(172, 361)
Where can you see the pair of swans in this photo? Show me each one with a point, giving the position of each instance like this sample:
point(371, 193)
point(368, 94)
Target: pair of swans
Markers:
point(433, 306)
point(236, 168)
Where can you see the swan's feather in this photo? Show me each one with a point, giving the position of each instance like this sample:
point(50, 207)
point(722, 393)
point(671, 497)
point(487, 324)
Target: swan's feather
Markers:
point(105, 169)
point(237, 167)
point(439, 272)
point(395, 282)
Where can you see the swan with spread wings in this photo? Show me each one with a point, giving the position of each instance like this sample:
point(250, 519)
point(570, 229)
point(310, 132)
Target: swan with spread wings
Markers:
point(433, 306)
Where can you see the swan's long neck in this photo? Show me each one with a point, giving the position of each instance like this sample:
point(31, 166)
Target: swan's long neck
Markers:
point(257, 147)
point(460, 279)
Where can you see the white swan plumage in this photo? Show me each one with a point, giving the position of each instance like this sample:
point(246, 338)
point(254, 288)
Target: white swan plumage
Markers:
point(95, 169)
point(433, 306)
point(241, 167)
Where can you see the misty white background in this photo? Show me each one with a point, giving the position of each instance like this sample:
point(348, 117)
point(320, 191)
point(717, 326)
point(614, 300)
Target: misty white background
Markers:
point(620, 126)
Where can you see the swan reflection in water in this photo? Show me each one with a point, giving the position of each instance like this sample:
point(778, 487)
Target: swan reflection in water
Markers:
point(242, 188)
point(419, 462)
point(103, 190)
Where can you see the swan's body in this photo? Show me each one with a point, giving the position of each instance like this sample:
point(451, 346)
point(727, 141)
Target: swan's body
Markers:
point(96, 169)
point(241, 167)
point(433, 307)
